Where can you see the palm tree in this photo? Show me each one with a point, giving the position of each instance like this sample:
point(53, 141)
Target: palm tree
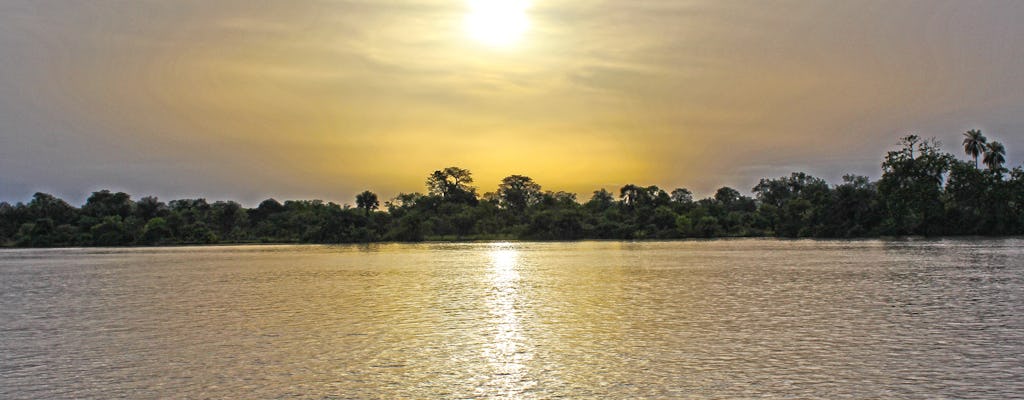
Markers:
point(368, 201)
point(974, 144)
point(995, 156)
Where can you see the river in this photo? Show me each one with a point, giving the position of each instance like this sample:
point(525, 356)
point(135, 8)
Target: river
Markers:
point(741, 318)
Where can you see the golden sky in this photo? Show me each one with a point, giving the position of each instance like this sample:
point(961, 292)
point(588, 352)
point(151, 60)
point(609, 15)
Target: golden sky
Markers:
point(322, 99)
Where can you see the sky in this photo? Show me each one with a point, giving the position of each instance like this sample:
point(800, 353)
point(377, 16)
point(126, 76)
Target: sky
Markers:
point(248, 100)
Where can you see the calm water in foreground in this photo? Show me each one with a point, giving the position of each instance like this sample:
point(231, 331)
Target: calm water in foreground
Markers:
point(716, 319)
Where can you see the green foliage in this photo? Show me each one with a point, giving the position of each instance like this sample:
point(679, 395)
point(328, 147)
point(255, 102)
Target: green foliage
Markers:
point(912, 186)
point(517, 192)
point(46, 206)
point(637, 197)
point(600, 201)
point(855, 209)
point(110, 232)
point(974, 144)
point(707, 227)
point(995, 156)
point(922, 191)
point(150, 207)
point(452, 184)
point(367, 201)
point(552, 224)
point(684, 226)
point(156, 231)
point(106, 204)
point(795, 205)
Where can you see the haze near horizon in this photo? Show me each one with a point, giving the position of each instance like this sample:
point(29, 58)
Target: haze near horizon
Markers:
point(243, 100)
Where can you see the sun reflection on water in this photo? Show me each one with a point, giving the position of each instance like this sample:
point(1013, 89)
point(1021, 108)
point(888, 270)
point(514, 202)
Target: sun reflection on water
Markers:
point(504, 258)
point(507, 353)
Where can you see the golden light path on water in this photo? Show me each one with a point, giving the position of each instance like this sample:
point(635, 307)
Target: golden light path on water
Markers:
point(729, 319)
point(506, 353)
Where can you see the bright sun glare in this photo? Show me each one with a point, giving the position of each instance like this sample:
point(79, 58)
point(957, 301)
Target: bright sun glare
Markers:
point(497, 22)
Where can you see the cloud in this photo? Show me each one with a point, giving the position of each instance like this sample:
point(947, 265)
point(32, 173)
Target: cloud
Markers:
point(324, 99)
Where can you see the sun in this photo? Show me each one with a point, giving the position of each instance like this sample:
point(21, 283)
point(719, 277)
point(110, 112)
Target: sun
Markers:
point(497, 22)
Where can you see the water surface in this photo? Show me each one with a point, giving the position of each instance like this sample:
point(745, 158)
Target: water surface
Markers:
point(714, 319)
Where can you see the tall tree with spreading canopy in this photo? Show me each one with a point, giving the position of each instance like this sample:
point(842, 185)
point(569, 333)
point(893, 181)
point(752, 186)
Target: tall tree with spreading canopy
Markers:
point(912, 186)
point(104, 204)
point(45, 205)
point(517, 192)
point(452, 184)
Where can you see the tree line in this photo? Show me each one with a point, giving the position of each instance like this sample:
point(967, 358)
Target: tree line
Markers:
point(922, 191)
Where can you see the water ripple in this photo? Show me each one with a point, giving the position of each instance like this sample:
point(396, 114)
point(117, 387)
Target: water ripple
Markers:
point(701, 319)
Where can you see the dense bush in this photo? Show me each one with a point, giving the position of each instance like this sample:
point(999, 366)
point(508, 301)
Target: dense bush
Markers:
point(922, 191)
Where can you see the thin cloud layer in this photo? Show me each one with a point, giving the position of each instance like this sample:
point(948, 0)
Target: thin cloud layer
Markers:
point(250, 100)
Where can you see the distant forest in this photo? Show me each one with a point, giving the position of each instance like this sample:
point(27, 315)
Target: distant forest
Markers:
point(922, 191)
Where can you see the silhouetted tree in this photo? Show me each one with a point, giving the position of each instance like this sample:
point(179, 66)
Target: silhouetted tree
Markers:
point(601, 200)
point(682, 196)
point(912, 187)
point(638, 196)
point(367, 201)
point(270, 206)
point(794, 205)
point(452, 184)
point(150, 207)
point(964, 191)
point(633, 195)
point(974, 144)
point(516, 192)
point(855, 209)
point(105, 204)
point(922, 191)
point(229, 219)
point(995, 156)
point(558, 199)
point(47, 206)
point(727, 196)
